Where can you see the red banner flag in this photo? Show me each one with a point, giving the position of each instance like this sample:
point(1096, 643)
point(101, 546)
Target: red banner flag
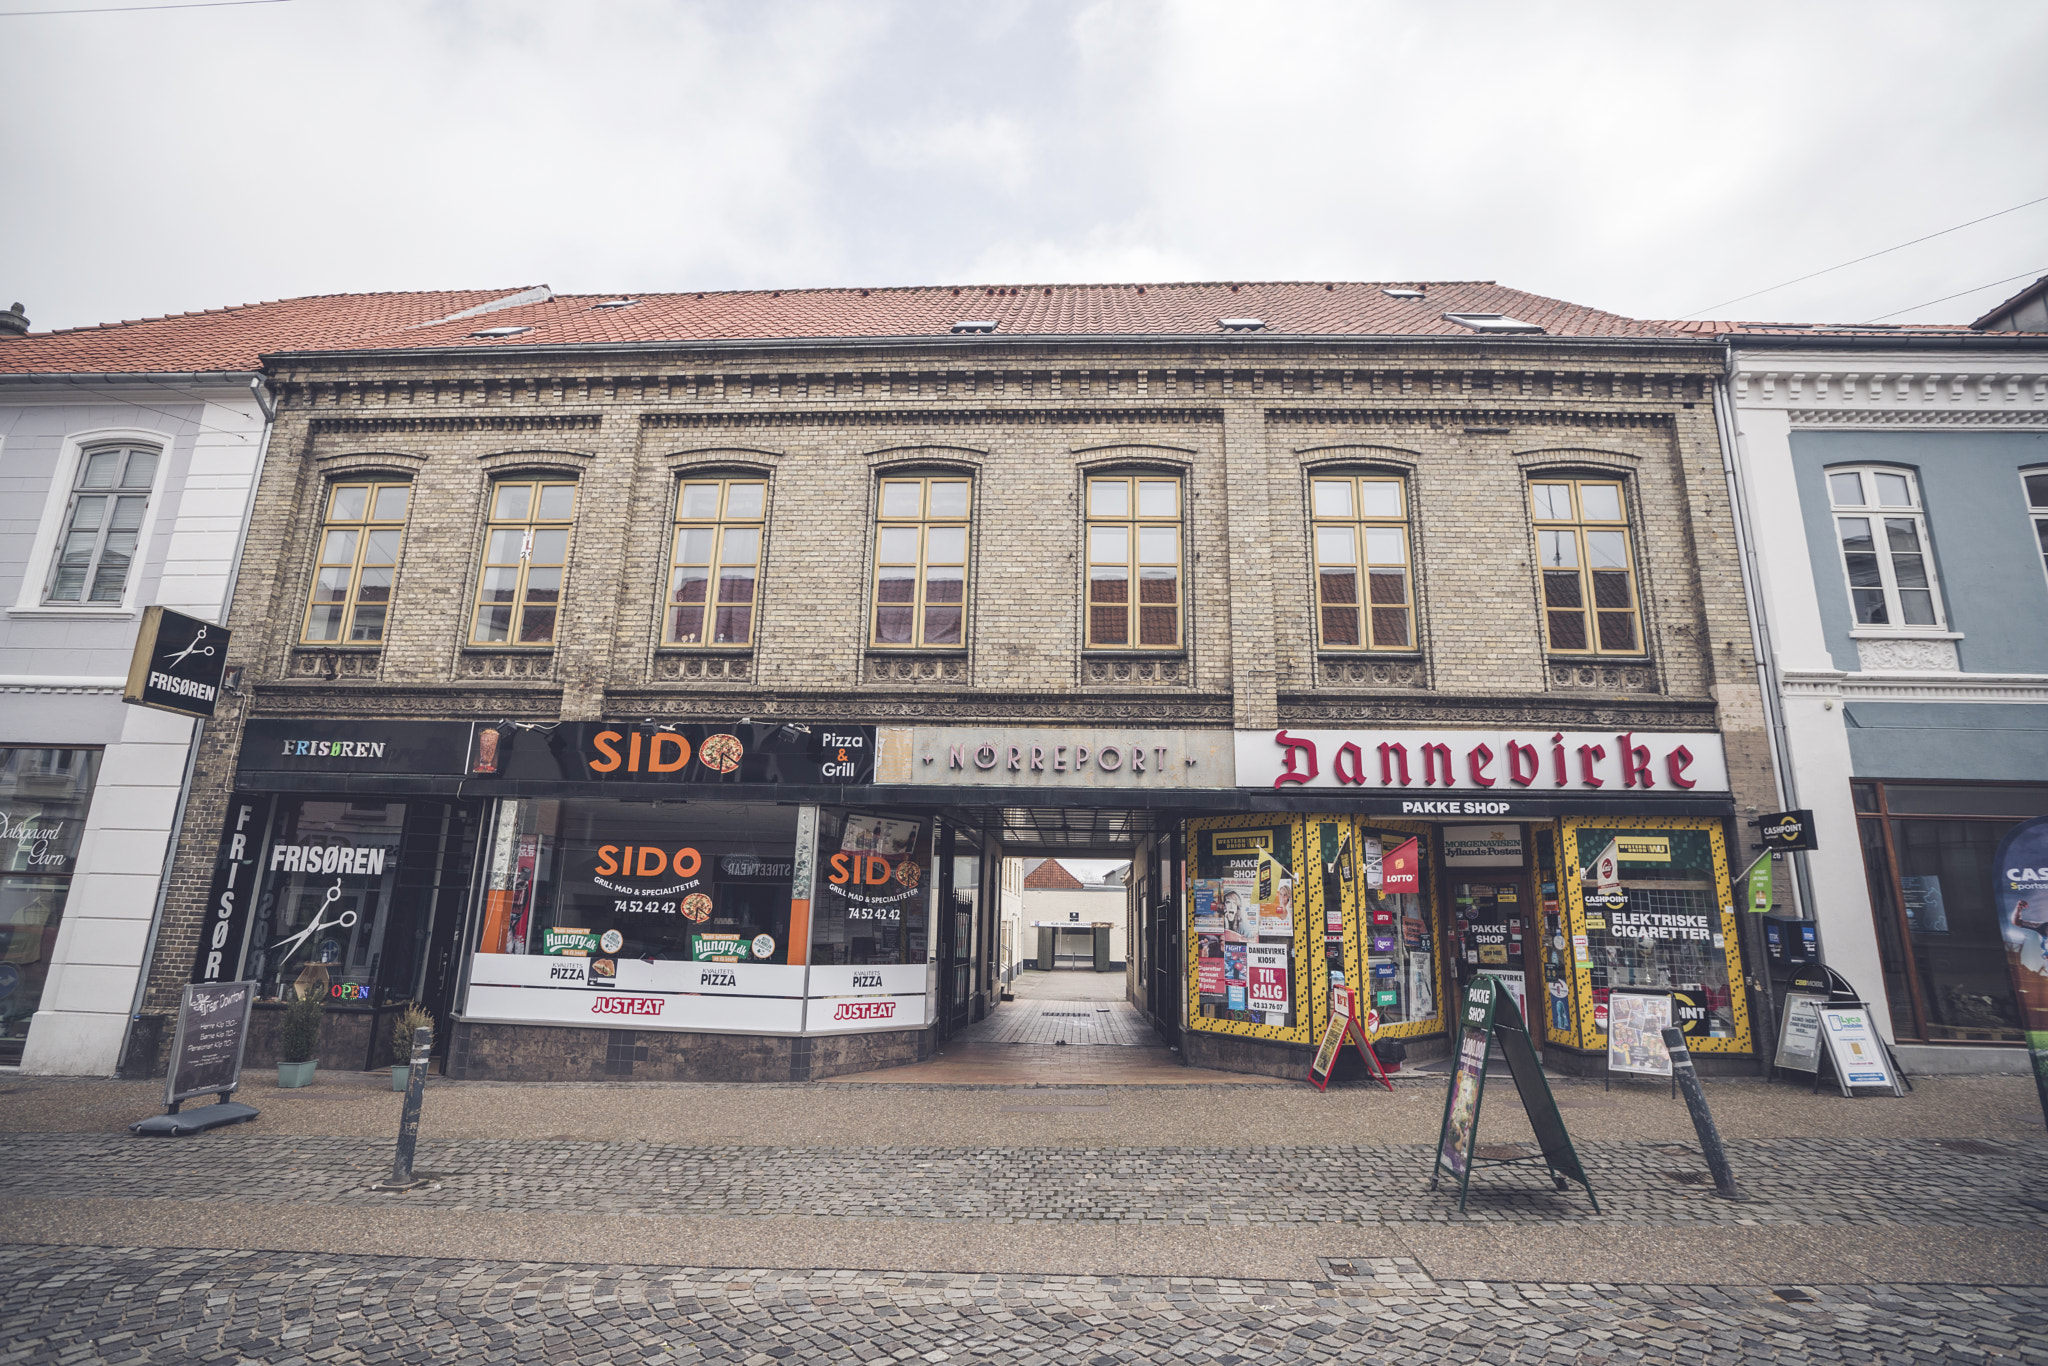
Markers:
point(1399, 869)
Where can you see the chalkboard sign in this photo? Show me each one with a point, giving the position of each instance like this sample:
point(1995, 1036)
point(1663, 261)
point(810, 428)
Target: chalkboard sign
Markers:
point(206, 1052)
point(1489, 1013)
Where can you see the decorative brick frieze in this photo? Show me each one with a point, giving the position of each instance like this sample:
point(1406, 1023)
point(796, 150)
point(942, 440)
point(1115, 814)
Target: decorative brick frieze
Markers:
point(703, 668)
point(1585, 675)
point(1125, 672)
point(353, 665)
point(505, 664)
point(379, 426)
point(1348, 671)
point(945, 671)
point(1490, 712)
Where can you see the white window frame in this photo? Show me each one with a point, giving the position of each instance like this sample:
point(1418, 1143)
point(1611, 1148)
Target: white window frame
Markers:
point(1887, 577)
point(2037, 513)
point(40, 564)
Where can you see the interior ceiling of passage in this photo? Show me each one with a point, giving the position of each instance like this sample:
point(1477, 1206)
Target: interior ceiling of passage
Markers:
point(1075, 830)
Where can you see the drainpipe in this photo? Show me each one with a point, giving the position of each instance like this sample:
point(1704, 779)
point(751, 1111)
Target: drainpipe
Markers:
point(1785, 782)
point(267, 404)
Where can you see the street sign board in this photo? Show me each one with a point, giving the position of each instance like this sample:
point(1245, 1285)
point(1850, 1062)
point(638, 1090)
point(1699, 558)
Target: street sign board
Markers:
point(177, 663)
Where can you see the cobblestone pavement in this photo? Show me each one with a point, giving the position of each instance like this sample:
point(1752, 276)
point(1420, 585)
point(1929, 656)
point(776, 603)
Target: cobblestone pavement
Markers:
point(94, 1305)
point(1055, 1022)
point(1897, 1183)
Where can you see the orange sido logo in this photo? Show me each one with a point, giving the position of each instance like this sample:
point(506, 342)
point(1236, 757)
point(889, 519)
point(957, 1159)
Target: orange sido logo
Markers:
point(663, 752)
point(861, 870)
point(645, 860)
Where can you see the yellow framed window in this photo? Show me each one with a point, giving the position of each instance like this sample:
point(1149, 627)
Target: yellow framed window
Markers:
point(1364, 583)
point(1589, 581)
point(359, 539)
point(715, 563)
point(921, 563)
point(1134, 539)
point(526, 550)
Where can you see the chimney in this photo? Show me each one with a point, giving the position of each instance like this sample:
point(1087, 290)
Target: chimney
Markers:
point(13, 322)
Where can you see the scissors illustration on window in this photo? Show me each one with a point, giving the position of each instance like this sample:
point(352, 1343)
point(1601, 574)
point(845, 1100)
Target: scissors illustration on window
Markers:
point(192, 649)
point(345, 920)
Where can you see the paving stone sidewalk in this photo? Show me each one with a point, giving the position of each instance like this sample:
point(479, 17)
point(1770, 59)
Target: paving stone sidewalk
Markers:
point(1890, 1183)
point(84, 1306)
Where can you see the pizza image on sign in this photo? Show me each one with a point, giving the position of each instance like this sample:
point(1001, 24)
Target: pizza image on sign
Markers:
point(721, 753)
point(696, 906)
point(907, 873)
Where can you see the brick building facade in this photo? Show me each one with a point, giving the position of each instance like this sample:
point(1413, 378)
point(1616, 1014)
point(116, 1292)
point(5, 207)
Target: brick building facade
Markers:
point(1453, 401)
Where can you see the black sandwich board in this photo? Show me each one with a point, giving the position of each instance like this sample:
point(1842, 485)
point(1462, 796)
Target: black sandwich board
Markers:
point(206, 1057)
point(1488, 1015)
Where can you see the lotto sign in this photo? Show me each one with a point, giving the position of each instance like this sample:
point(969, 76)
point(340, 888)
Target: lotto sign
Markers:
point(1266, 980)
point(1399, 869)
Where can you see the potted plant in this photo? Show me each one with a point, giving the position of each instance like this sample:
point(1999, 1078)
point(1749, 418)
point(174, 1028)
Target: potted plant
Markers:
point(413, 1017)
point(298, 1041)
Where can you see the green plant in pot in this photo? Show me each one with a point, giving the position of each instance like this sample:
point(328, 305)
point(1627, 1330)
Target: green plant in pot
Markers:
point(298, 1040)
point(413, 1017)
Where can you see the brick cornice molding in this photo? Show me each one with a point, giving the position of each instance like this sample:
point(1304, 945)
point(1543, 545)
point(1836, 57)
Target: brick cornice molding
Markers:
point(523, 422)
point(1395, 414)
point(1109, 414)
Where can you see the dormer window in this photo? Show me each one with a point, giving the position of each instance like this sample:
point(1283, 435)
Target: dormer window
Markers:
point(1490, 322)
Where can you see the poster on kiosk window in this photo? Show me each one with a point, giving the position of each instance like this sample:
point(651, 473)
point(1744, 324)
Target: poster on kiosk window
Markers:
point(2021, 871)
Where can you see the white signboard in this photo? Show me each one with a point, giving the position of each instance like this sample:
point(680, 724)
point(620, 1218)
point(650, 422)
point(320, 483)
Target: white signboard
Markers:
point(1799, 1039)
point(1054, 757)
point(1483, 846)
point(741, 998)
point(1636, 1022)
point(1855, 1049)
point(1485, 768)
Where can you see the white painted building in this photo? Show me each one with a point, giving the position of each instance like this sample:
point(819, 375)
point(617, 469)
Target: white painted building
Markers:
point(128, 459)
point(1894, 489)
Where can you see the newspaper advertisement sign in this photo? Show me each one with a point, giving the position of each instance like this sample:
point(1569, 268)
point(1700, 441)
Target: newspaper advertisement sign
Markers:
point(1799, 1038)
point(1266, 986)
point(1636, 1021)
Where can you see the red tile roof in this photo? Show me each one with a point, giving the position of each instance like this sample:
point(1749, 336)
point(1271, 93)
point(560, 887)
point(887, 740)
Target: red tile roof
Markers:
point(1711, 328)
point(233, 338)
point(1052, 875)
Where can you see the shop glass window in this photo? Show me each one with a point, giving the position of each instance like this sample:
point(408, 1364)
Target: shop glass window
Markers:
point(921, 563)
point(101, 525)
point(1399, 951)
point(871, 901)
point(526, 551)
point(329, 874)
point(1667, 933)
point(358, 560)
point(1134, 562)
point(44, 794)
point(1933, 883)
point(1885, 551)
point(2037, 507)
point(1589, 578)
point(715, 566)
point(1232, 926)
point(695, 883)
point(1364, 598)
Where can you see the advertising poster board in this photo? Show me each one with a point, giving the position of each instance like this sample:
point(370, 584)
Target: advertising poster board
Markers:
point(1266, 985)
point(1488, 1014)
point(1636, 1021)
point(1853, 1047)
point(1799, 1038)
point(2021, 883)
point(1344, 1027)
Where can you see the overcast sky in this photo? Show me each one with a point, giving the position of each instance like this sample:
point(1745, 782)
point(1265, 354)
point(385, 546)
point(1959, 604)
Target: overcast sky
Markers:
point(1652, 159)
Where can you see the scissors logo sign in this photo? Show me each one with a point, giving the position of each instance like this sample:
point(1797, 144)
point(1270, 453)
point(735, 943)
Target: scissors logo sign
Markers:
point(344, 921)
point(178, 663)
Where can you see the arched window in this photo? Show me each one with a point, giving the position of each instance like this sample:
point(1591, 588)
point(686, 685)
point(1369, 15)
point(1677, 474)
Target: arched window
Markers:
point(1134, 562)
point(715, 564)
point(1885, 551)
point(1364, 587)
point(96, 548)
point(921, 562)
point(358, 561)
point(1589, 576)
point(526, 553)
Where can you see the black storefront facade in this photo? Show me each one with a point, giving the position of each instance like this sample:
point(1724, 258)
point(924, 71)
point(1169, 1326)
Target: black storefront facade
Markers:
point(585, 900)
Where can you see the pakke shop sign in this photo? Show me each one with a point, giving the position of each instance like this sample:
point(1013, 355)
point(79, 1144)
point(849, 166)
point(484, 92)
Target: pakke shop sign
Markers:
point(1483, 764)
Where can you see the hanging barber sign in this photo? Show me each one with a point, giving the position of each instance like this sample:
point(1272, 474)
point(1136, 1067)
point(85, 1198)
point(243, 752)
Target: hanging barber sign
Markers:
point(178, 663)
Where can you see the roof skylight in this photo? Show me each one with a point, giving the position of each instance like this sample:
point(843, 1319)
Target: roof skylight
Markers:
point(1491, 322)
point(616, 303)
point(975, 325)
point(1240, 324)
point(1402, 293)
point(496, 332)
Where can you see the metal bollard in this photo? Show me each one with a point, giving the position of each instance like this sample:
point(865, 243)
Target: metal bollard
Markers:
point(1702, 1118)
point(402, 1177)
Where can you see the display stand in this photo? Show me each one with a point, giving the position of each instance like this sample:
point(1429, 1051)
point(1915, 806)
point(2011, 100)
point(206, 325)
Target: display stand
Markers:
point(1852, 1050)
point(1799, 1045)
point(1816, 987)
point(206, 1057)
point(1635, 1036)
point(1343, 1027)
point(1489, 1016)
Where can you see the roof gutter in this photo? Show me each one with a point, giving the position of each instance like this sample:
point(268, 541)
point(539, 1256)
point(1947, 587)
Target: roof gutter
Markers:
point(1706, 346)
point(236, 379)
point(1821, 341)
